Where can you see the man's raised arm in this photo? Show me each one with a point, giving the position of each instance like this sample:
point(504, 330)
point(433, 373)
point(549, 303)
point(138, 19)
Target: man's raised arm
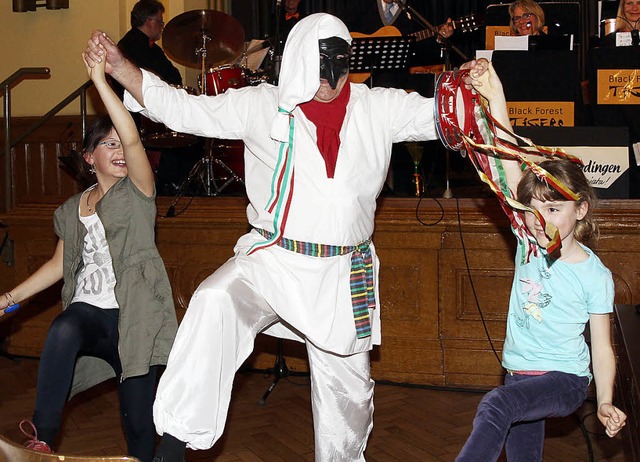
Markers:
point(120, 68)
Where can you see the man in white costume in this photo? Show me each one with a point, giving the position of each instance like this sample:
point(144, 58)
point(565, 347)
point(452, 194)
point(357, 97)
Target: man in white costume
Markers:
point(317, 149)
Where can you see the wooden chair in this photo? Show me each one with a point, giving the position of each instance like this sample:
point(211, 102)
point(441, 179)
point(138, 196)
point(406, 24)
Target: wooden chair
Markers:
point(12, 452)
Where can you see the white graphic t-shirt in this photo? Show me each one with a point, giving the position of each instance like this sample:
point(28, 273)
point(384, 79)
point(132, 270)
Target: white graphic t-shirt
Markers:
point(96, 279)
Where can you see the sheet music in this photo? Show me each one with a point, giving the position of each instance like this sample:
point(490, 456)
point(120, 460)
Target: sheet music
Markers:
point(513, 43)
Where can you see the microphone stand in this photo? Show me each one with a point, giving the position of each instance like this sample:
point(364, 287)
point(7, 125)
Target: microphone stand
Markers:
point(447, 46)
point(277, 48)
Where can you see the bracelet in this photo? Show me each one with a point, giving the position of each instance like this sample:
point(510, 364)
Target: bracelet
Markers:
point(9, 298)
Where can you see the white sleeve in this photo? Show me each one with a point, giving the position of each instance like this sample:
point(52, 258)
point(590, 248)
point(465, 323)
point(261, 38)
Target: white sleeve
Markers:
point(221, 116)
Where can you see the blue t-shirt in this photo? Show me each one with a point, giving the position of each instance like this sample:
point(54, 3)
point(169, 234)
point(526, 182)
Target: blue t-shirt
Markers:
point(549, 306)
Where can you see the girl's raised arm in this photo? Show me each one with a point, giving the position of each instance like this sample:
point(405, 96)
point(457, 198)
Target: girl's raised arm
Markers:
point(138, 167)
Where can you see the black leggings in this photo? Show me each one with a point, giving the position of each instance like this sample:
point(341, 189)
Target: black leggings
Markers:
point(85, 330)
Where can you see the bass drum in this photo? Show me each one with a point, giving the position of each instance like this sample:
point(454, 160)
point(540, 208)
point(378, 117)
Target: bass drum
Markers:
point(155, 135)
point(220, 79)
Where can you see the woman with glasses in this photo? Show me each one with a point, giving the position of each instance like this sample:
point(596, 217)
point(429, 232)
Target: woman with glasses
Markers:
point(118, 317)
point(527, 18)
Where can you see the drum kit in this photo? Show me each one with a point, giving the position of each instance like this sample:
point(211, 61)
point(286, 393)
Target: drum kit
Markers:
point(213, 42)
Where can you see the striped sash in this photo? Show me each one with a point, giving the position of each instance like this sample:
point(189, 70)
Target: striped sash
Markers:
point(361, 276)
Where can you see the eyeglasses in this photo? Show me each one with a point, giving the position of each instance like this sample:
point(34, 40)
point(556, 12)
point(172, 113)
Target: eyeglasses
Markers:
point(159, 21)
point(525, 16)
point(111, 144)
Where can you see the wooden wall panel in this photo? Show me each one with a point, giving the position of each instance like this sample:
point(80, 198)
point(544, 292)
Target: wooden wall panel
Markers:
point(37, 175)
point(432, 330)
point(34, 241)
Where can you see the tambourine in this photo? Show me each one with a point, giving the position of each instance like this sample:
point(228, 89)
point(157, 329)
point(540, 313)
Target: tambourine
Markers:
point(458, 111)
point(464, 124)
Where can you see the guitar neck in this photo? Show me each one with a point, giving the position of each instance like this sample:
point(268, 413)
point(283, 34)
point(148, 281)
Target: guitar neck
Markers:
point(424, 34)
point(464, 24)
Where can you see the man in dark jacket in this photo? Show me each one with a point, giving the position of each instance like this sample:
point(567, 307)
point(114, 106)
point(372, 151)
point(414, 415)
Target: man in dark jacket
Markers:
point(139, 46)
point(171, 163)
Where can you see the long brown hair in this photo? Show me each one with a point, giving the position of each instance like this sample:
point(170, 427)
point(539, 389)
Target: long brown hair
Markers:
point(571, 174)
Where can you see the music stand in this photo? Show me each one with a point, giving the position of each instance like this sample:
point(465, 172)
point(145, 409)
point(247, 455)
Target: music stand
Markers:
point(371, 54)
point(279, 370)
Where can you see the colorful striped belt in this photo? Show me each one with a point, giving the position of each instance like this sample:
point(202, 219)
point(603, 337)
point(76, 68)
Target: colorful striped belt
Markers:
point(361, 276)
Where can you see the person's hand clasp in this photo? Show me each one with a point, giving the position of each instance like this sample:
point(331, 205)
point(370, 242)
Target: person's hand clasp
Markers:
point(612, 418)
point(483, 79)
point(101, 48)
point(95, 70)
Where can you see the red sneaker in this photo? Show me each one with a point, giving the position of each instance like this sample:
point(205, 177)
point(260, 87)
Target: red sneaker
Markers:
point(33, 442)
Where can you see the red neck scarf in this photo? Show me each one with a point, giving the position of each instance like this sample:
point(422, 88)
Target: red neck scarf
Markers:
point(328, 118)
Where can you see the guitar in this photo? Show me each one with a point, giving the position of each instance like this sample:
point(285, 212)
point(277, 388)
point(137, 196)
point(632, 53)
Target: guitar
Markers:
point(463, 24)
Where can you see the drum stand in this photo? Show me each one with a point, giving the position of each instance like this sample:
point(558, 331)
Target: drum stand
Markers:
point(205, 170)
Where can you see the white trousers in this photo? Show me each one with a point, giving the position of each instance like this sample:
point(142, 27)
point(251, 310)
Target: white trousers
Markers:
point(217, 335)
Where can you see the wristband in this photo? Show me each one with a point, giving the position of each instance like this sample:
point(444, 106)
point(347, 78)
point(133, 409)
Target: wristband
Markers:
point(9, 297)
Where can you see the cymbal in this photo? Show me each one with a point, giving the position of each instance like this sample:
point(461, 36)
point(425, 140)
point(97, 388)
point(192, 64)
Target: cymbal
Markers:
point(223, 38)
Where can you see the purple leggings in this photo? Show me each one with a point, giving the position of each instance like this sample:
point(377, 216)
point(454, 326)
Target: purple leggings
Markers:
point(513, 415)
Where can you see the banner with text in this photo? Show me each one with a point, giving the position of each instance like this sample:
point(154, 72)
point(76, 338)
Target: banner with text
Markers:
point(618, 86)
point(541, 113)
point(603, 165)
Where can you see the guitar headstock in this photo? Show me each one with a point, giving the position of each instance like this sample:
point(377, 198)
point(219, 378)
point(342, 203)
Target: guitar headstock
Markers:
point(466, 23)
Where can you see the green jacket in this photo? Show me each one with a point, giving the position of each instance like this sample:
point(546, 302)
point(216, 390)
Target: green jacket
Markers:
point(147, 323)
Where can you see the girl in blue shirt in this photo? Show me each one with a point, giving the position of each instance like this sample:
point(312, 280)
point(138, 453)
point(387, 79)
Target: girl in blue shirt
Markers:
point(552, 297)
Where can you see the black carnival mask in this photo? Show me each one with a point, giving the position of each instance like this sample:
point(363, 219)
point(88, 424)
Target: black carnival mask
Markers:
point(334, 59)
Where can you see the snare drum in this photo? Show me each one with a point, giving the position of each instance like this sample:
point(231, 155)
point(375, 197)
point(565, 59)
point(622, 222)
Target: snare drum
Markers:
point(220, 79)
point(155, 135)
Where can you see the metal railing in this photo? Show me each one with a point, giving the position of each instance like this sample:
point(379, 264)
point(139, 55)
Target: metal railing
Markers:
point(31, 72)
